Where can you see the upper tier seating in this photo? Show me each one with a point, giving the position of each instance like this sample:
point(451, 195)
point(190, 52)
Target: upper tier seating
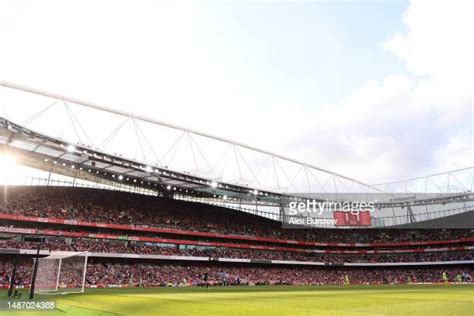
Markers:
point(102, 206)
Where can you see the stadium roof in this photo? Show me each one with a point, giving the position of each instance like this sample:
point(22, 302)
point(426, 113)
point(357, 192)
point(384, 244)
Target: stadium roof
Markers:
point(51, 154)
point(292, 179)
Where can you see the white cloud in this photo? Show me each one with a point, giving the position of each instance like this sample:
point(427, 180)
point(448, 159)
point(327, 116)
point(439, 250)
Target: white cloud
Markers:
point(411, 124)
point(439, 40)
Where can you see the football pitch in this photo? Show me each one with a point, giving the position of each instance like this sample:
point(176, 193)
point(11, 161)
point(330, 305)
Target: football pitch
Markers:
point(265, 301)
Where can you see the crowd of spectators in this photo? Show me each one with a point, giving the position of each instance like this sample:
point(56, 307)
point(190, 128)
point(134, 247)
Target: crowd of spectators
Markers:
point(139, 274)
point(161, 275)
point(101, 206)
point(122, 247)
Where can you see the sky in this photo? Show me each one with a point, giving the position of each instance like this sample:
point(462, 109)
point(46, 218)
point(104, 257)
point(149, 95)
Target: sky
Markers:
point(375, 90)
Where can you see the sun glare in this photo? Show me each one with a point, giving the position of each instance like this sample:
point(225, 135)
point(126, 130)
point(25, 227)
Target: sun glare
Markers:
point(8, 169)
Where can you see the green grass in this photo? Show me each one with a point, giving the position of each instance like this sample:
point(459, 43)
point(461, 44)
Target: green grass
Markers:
point(265, 301)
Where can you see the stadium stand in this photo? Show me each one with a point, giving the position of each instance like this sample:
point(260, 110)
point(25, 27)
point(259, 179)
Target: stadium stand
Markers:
point(176, 241)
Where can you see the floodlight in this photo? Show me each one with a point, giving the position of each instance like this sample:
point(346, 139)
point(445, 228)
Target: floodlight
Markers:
point(71, 148)
point(214, 184)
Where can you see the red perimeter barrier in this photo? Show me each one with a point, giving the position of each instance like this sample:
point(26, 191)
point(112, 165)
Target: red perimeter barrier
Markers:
point(60, 233)
point(60, 221)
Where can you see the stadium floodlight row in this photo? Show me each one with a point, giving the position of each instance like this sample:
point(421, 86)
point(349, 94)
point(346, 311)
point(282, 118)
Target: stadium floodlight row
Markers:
point(42, 152)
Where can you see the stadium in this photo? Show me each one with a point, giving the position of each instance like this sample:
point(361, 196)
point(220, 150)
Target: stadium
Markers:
point(110, 209)
point(96, 221)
